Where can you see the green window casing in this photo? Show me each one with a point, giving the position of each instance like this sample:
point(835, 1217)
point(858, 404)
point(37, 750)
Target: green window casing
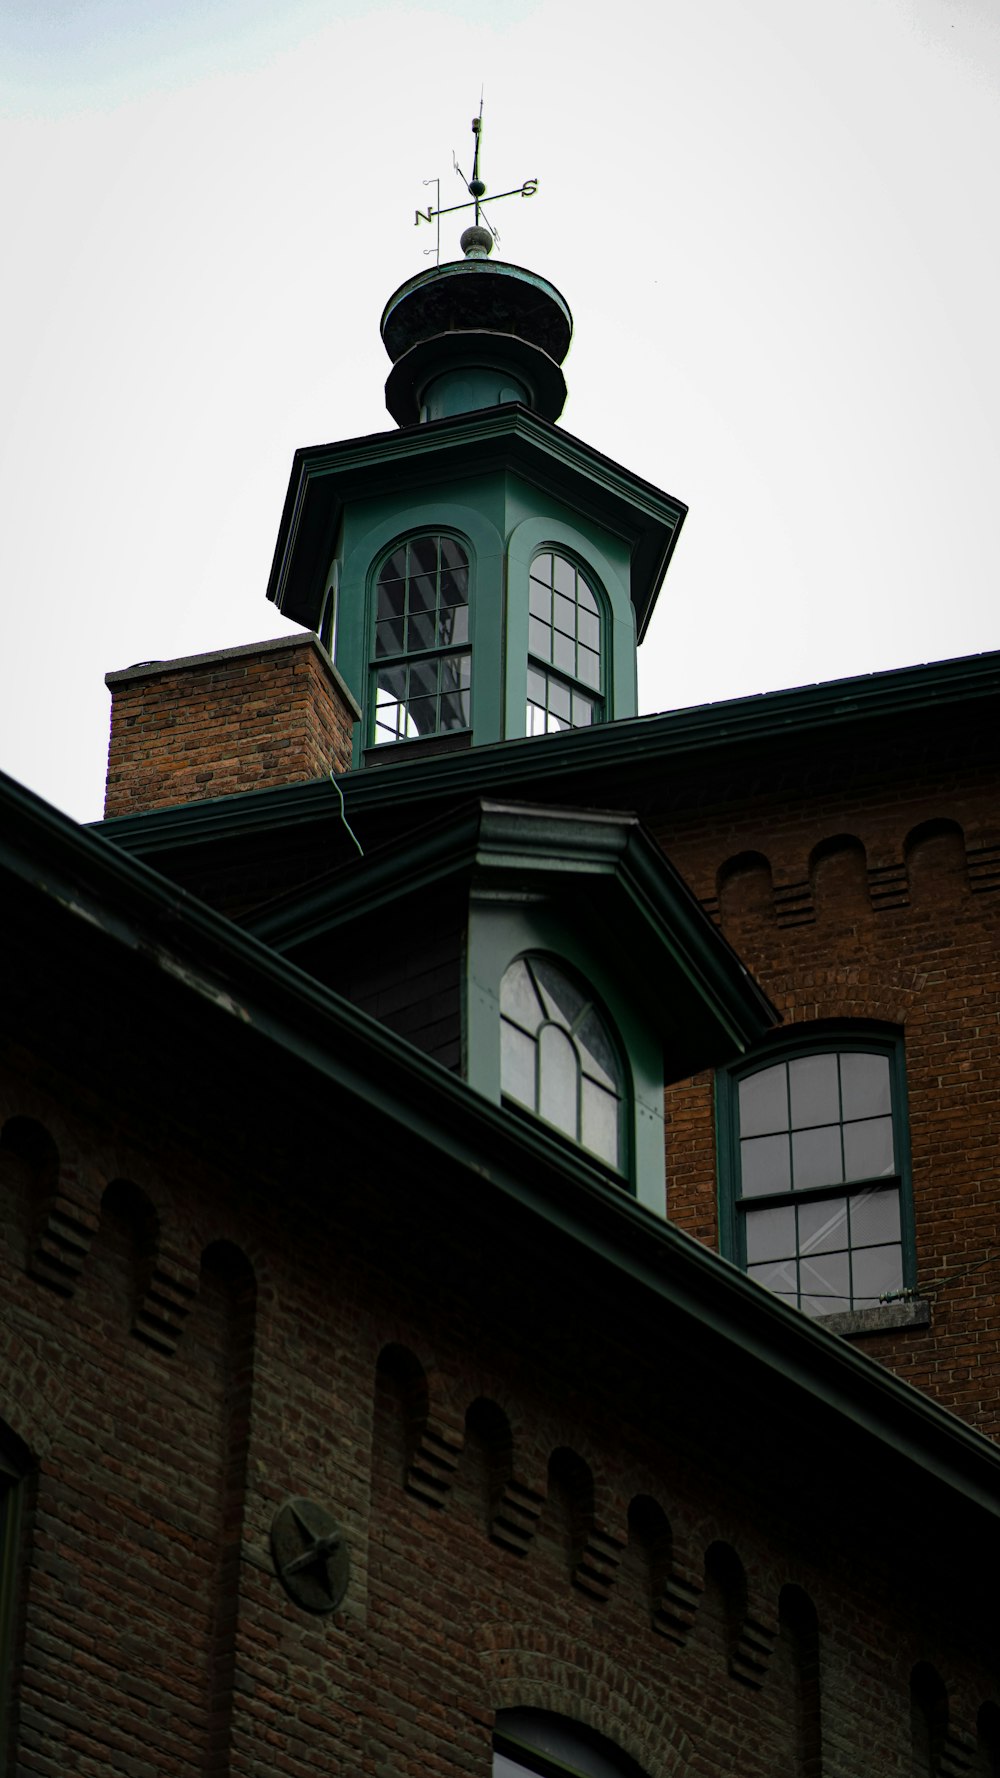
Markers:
point(814, 1171)
point(422, 665)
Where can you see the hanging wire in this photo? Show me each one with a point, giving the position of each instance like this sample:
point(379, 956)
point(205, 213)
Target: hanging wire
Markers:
point(343, 815)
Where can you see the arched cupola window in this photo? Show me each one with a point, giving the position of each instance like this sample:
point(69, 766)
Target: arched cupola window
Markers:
point(565, 675)
point(558, 1058)
point(422, 668)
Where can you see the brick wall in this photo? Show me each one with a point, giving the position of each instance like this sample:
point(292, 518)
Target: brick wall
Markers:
point(866, 885)
point(215, 724)
point(543, 1507)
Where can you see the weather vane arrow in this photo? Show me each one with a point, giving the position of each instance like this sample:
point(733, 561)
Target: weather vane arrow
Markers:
point(475, 186)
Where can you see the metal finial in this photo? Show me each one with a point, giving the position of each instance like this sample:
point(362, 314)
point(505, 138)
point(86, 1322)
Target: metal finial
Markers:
point(479, 240)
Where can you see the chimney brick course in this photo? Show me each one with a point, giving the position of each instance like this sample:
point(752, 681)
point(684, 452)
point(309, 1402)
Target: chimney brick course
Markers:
point(215, 724)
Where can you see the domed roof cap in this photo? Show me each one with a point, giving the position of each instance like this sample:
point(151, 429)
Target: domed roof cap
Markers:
point(475, 296)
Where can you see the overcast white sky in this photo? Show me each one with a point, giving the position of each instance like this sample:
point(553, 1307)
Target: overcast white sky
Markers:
point(775, 223)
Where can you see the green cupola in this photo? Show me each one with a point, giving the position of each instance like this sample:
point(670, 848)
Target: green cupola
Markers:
point(479, 575)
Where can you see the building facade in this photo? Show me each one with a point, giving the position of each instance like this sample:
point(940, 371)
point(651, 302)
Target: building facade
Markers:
point(499, 1264)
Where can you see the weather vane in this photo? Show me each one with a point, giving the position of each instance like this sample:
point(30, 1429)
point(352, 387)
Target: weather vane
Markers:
point(476, 189)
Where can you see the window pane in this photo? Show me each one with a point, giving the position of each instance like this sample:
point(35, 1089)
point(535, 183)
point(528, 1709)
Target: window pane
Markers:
point(780, 1277)
point(582, 711)
point(765, 1165)
point(816, 1157)
point(421, 593)
point(453, 625)
point(540, 601)
point(564, 577)
point(589, 625)
point(423, 560)
point(395, 567)
point(599, 1130)
point(558, 1079)
point(539, 639)
point(541, 569)
point(453, 555)
point(764, 1102)
point(564, 616)
point(865, 1085)
point(599, 1058)
point(454, 711)
point(421, 716)
point(518, 999)
point(517, 1065)
point(559, 699)
point(589, 667)
point(868, 1149)
point(423, 679)
point(770, 1234)
point(455, 587)
point(823, 1226)
point(421, 631)
point(876, 1270)
point(825, 1275)
point(562, 998)
point(389, 637)
point(391, 684)
point(875, 1217)
point(813, 1091)
point(391, 597)
point(564, 653)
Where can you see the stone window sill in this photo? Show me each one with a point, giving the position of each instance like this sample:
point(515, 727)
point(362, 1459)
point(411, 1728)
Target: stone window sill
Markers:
point(887, 1318)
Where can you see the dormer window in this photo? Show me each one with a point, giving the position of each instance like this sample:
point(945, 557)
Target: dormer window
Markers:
point(564, 647)
point(422, 669)
point(558, 1059)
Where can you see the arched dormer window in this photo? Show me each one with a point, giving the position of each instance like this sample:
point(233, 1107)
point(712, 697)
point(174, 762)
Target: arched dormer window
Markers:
point(422, 670)
point(558, 1058)
point(565, 676)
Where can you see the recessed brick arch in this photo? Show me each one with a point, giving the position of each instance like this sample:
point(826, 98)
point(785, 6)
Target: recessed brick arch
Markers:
point(535, 1668)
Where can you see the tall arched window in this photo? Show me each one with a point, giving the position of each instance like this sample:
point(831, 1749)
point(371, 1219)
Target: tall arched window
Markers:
point(423, 663)
point(565, 680)
point(558, 1058)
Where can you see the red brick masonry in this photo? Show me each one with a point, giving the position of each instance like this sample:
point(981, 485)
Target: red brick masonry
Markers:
point(214, 724)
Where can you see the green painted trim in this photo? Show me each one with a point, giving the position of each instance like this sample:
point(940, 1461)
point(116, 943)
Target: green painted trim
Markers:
point(323, 477)
point(130, 913)
point(657, 918)
point(670, 740)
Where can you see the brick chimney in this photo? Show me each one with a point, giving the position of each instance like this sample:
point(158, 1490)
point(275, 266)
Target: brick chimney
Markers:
point(214, 724)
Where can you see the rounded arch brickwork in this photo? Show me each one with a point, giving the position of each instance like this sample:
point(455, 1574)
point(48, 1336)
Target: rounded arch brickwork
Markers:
point(528, 1667)
point(844, 992)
